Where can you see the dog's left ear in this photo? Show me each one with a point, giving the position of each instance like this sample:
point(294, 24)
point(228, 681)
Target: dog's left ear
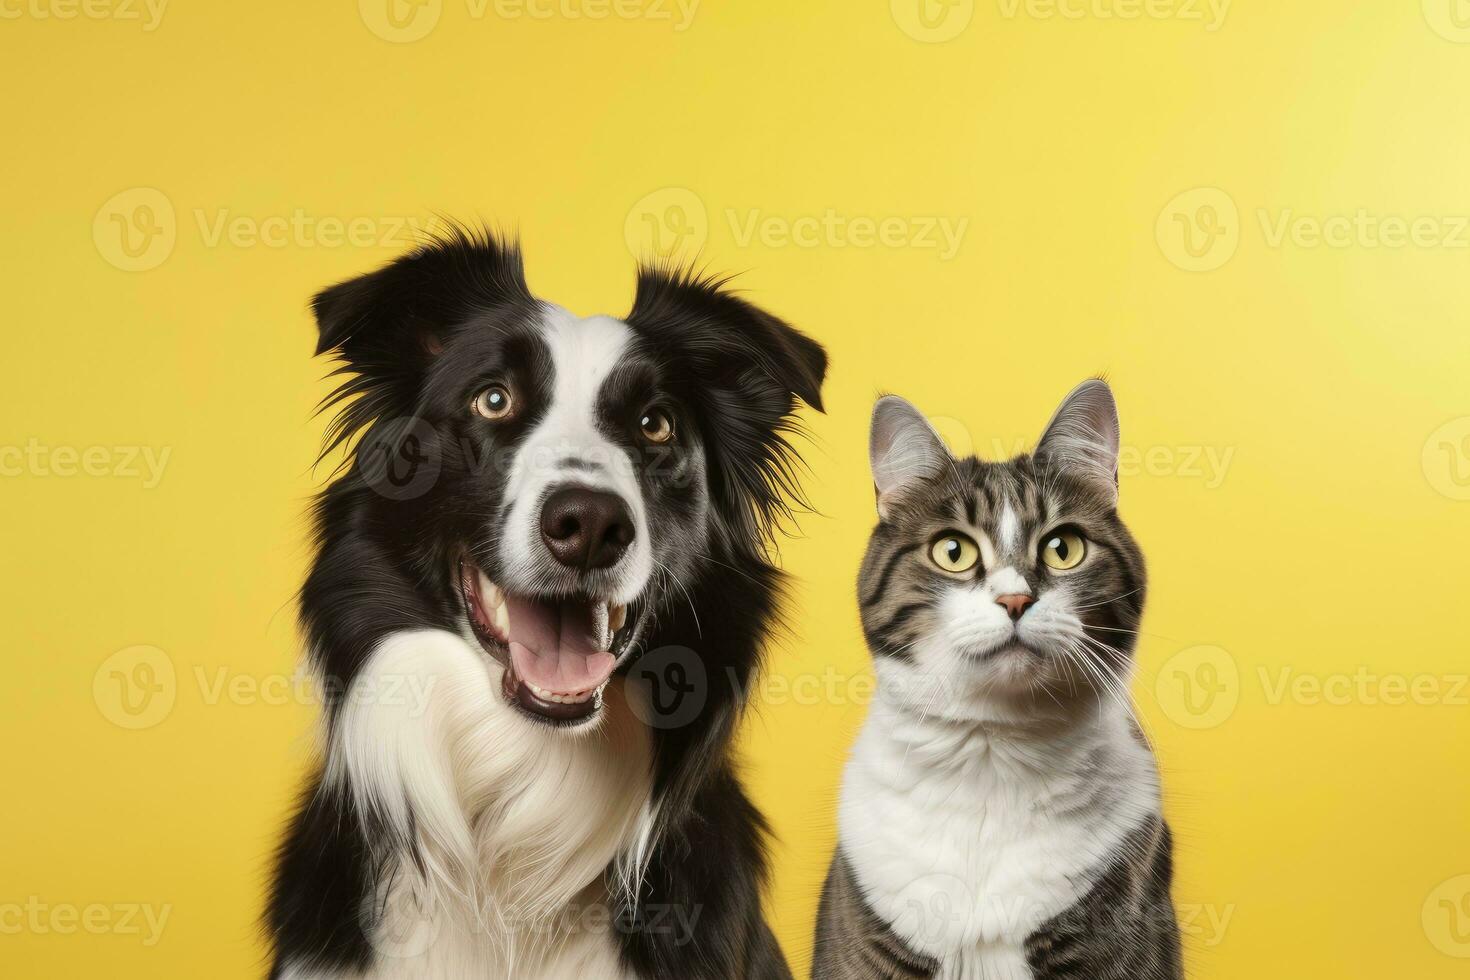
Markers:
point(724, 334)
point(745, 369)
point(792, 358)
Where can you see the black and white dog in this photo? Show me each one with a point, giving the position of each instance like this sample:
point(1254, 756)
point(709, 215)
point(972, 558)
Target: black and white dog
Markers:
point(555, 531)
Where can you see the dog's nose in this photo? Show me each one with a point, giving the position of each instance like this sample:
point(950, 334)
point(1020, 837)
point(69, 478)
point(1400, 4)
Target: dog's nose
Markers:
point(586, 528)
point(1015, 603)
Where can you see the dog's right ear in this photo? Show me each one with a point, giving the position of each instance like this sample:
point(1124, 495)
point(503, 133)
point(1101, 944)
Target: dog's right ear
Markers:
point(388, 326)
point(367, 323)
point(391, 323)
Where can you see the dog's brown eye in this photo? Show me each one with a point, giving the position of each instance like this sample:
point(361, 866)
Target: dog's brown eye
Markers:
point(656, 425)
point(494, 403)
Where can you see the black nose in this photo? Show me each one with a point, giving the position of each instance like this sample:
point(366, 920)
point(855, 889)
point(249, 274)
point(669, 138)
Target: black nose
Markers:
point(586, 528)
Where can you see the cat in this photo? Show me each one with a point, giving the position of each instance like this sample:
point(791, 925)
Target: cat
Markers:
point(1000, 815)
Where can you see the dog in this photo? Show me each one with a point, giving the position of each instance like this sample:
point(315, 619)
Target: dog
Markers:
point(541, 586)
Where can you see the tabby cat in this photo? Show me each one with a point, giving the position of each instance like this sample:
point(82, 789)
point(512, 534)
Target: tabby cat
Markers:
point(1000, 815)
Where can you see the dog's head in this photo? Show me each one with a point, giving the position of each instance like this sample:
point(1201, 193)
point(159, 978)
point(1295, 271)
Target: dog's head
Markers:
point(554, 481)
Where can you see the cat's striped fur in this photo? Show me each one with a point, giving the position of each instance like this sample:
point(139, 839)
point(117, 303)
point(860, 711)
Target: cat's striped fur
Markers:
point(1001, 813)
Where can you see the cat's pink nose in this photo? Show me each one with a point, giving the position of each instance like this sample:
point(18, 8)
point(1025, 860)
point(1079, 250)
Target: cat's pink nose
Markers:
point(1015, 603)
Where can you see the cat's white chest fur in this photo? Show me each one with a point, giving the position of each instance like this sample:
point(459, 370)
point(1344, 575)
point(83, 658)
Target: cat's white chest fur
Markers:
point(966, 837)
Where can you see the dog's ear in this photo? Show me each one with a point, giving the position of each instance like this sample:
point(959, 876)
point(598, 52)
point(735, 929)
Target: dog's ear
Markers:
point(372, 323)
point(792, 358)
point(746, 368)
point(388, 326)
point(725, 333)
point(395, 320)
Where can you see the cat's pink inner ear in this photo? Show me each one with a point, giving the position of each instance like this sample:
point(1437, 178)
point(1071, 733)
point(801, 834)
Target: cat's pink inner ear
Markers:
point(903, 450)
point(1084, 434)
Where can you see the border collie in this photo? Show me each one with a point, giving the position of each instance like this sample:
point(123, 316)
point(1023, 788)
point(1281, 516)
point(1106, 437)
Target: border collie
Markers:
point(555, 530)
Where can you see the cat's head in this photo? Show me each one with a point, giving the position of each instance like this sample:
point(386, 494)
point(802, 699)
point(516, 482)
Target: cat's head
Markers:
point(1001, 586)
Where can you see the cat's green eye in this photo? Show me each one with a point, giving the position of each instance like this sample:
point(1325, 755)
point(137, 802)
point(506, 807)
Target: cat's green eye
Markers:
point(1063, 550)
point(955, 553)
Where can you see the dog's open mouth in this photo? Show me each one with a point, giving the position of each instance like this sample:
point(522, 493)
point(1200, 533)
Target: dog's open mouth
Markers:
point(558, 653)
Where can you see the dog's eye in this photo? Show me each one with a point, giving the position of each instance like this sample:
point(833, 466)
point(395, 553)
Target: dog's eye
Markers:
point(955, 553)
point(495, 403)
point(1063, 549)
point(656, 426)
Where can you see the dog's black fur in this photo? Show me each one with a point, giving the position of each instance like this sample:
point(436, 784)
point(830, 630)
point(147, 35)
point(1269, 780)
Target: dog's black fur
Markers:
point(411, 337)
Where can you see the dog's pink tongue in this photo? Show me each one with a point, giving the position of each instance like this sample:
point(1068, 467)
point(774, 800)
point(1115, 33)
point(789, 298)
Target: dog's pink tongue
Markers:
point(555, 645)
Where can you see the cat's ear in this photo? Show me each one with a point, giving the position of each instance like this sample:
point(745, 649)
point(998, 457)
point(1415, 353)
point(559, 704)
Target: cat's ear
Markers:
point(1083, 436)
point(903, 449)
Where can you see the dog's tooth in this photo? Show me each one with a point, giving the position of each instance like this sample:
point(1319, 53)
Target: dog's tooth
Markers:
point(616, 617)
point(502, 620)
point(489, 591)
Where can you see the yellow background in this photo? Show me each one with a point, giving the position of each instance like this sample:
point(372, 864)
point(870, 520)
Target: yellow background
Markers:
point(1330, 836)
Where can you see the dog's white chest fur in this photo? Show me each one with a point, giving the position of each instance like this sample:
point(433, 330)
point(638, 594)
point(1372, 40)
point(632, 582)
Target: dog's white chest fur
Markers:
point(513, 822)
point(966, 840)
